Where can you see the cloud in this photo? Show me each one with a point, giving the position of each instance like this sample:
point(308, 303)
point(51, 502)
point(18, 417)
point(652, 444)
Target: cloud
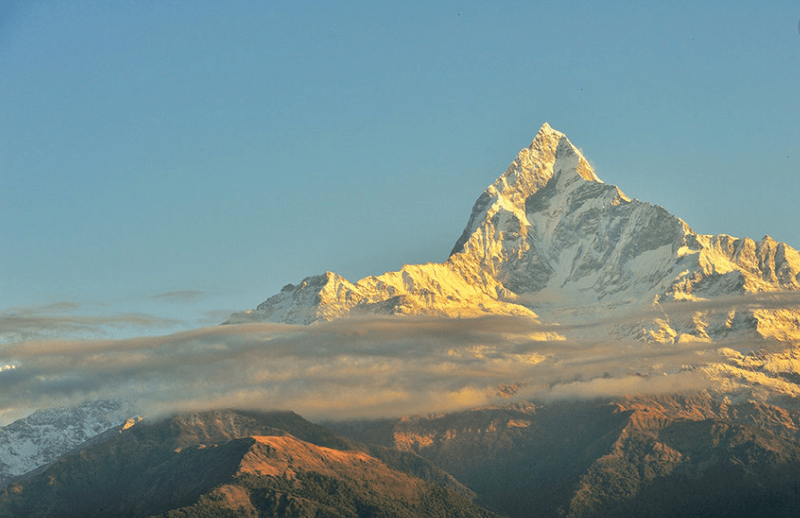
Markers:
point(600, 317)
point(59, 306)
point(215, 316)
point(347, 368)
point(359, 367)
point(180, 296)
point(603, 387)
point(769, 300)
point(58, 320)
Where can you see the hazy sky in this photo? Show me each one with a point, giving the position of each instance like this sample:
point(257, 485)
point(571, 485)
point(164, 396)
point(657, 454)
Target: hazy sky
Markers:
point(163, 163)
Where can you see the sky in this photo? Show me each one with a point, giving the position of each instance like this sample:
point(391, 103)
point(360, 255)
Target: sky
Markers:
point(163, 164)
point(184, 160)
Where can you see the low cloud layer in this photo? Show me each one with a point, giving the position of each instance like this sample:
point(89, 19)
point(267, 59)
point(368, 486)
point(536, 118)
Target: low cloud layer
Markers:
point(375, 367)
point(380, 366)
point(581, 318)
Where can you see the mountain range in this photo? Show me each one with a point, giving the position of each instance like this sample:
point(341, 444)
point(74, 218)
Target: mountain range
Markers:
point(580, 263)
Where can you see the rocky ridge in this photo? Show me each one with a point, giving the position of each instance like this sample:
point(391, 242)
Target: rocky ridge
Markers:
point(690, 455)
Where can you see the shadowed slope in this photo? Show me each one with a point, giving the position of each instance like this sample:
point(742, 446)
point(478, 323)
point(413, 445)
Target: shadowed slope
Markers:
point(664, 456)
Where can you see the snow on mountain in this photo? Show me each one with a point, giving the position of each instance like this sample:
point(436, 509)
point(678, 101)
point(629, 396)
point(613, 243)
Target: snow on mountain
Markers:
point(47, 435)
point(549, 239)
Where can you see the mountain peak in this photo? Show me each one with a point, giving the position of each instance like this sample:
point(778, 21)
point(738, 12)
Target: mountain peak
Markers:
point(547, 129)
point(549, 154)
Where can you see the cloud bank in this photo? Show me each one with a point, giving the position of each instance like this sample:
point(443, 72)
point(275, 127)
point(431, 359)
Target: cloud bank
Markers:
point(343, 369)
point(371, 366)
point(180, 296)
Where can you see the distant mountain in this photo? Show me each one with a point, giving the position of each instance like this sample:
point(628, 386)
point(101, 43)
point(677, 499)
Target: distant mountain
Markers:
point(229, 463)
point(549, 239)
point(47, 435)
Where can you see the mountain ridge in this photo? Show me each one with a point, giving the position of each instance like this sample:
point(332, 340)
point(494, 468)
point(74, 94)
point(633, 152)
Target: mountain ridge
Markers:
point(670, 455)
point(47, 435)
point(237, 463)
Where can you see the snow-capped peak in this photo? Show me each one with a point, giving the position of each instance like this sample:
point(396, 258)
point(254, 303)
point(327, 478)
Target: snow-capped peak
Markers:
point(550, 153)
point(548, 229)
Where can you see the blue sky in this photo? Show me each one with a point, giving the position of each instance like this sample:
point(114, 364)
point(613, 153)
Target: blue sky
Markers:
point(184, 159)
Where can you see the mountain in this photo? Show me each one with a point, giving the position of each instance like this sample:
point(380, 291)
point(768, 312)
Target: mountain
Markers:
point(549, 240)
point(690, 455)
point(233, 463)
point(663, 456)
point(47, 435)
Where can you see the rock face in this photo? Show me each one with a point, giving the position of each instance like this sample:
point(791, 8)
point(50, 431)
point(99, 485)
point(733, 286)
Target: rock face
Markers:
point(229, 463)
point(547, 230)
